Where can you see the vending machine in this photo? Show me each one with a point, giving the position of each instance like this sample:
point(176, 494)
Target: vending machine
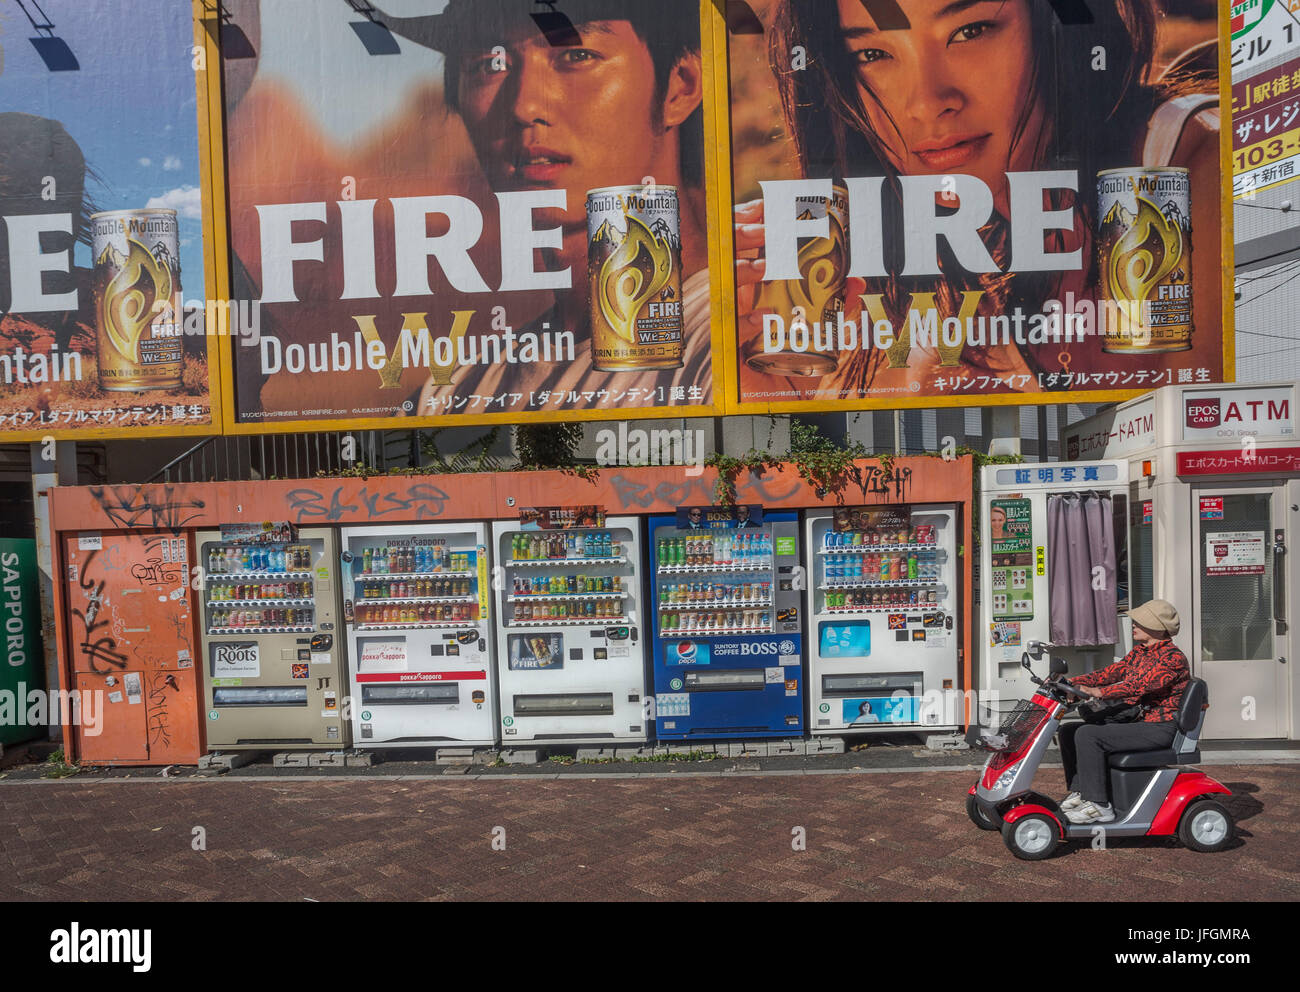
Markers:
point(130, 626)
point(272, 651)
point(884, 630)
point(419, 648)
point(569, 636)
point(728, 644)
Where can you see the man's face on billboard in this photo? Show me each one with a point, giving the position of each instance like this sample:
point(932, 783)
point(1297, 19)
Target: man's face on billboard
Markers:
point(576, 118)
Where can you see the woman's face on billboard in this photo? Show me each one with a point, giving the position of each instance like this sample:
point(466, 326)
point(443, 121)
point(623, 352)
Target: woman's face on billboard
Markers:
point(945, 94)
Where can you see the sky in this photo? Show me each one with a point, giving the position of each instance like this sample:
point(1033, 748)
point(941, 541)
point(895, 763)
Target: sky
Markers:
point(131, 106)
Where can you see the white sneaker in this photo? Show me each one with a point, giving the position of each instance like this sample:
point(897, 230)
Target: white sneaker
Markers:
point(1090, 812)
point(1072, 801)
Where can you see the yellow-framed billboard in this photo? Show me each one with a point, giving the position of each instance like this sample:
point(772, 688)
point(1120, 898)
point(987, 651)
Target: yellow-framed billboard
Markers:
point(108, 263)
point(987, 203)
point(467, 213)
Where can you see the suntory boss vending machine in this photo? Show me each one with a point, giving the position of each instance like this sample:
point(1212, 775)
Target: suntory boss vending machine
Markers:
point(727, 642)
point(415, 604)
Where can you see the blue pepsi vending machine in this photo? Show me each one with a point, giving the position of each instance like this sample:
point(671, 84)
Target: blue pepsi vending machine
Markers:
point(728, 643)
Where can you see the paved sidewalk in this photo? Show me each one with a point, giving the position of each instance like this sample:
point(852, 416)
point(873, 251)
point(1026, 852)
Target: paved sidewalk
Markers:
point(881, 836)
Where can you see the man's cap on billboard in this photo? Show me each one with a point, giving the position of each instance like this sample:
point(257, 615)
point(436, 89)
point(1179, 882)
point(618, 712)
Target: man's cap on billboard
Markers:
point(472, 21)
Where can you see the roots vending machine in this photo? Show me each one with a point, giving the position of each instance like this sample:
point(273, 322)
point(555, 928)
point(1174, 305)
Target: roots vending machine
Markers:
point(727, 646)
point(416, 609)
point(569, 636)
point(271, 644)
point(884, 630)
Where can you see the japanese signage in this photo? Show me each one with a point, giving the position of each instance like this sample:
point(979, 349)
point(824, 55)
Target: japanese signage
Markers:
point(917, 232)
point(1011, 547)
point(1115, 433)
point(103, 285)
point(1006, 634)
point(1266, 129)
point(474, 213)
point(1211, 507)
point(1238, 413)
point(1051, 475)
point(23, 667)
point(1264, 32)
point(1235, 553)
point(1234, 460)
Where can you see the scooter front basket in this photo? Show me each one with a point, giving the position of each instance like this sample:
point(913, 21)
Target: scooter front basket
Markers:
point(1015, 729)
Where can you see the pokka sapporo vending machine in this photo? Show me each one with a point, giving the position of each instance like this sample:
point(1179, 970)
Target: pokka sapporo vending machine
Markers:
point(419, 649)
point(884, 630)
point(570, 642)
point(272, 651)
point(727, 646)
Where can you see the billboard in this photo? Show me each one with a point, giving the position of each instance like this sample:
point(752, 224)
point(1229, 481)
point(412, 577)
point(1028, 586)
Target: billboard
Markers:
point(968, 204)
point(470, 211)
point(103, 275)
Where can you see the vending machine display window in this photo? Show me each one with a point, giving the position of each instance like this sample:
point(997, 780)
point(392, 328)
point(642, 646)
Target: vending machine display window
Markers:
point(713, 583)
point(259, 589)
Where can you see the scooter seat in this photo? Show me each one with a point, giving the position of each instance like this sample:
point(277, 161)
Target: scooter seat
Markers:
point(1133, 760)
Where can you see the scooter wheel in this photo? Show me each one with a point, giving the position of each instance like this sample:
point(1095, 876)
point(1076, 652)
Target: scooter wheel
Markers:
point(980, 818)
point(1032, 837)
point(1206, 826)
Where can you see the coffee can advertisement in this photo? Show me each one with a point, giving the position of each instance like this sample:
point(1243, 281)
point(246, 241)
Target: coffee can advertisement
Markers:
point(105, 287)
point(471, 211)
point(979, 203)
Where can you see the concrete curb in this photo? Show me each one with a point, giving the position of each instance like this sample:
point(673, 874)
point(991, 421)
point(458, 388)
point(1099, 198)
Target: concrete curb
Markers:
point(1222, 758)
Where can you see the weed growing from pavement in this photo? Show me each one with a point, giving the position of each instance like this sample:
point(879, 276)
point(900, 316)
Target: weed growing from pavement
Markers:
point(56, 767)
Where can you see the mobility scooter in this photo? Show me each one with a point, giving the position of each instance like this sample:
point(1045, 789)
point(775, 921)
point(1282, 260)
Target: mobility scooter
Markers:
point(1151, 798)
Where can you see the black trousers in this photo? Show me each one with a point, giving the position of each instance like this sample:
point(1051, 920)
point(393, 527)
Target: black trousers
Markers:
point(1084, 747)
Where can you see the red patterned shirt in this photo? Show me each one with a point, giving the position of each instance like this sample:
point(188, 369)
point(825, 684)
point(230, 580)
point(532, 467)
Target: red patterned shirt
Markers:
point(1154, 673)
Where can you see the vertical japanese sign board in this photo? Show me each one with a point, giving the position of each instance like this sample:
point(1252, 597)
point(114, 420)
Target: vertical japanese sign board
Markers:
point(1011, 546)
point(106, 252)
point(23, 667)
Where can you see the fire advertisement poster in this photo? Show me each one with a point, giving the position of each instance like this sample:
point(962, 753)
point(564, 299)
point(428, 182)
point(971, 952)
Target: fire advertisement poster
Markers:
point(103, 275)
point(965, 204)
point(470, 211)
point(560, 517)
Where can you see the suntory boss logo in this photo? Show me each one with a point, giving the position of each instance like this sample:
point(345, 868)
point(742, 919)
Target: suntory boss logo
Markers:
point(1203, 412)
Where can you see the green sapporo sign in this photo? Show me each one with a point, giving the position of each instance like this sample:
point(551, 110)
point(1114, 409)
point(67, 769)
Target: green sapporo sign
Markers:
point(23, 667)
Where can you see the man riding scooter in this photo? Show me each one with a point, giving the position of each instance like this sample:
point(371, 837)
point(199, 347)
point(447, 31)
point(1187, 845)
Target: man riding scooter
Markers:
point(1150, 679)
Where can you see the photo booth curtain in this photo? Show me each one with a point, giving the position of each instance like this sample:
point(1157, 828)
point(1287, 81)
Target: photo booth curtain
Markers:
point(1081, 570)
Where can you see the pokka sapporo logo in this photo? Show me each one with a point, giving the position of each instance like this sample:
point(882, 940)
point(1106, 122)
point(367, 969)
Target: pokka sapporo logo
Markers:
point(1246, 14)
